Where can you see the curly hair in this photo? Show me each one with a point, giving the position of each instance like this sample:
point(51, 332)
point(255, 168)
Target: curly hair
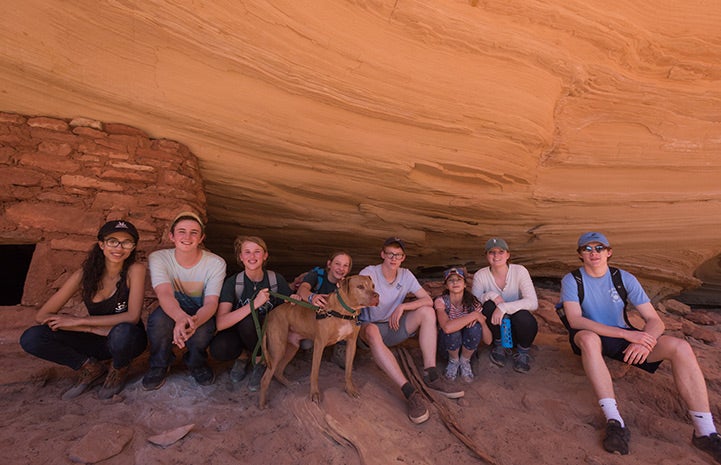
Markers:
point(93, 269)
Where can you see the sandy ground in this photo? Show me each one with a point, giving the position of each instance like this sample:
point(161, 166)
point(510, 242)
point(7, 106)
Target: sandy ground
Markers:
point(548, 416)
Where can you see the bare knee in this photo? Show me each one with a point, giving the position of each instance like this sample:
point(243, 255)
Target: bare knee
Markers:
point(588, 341)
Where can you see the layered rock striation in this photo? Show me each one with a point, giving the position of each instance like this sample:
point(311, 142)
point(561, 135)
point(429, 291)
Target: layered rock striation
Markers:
point(333, 124)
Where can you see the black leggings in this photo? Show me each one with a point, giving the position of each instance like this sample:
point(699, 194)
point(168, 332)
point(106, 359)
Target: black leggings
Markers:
point(523, 325)
point(229, 343)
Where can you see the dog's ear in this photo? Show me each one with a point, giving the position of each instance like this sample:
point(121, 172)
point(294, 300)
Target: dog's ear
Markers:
point(345, 285)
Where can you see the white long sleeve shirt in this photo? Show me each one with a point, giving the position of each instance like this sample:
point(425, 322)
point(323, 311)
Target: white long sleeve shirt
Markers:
point(518, 293)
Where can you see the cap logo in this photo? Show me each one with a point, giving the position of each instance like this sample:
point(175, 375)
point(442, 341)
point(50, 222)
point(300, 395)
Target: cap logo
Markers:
point(121, 224)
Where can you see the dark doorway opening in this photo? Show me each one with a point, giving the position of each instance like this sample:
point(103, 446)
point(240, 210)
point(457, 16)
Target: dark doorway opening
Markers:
point(14, 266)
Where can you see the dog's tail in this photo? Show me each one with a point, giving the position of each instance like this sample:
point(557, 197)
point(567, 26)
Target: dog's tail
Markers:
point(264, 349)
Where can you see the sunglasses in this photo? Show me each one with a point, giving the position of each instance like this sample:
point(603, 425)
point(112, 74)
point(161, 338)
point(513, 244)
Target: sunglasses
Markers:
point(593, 248)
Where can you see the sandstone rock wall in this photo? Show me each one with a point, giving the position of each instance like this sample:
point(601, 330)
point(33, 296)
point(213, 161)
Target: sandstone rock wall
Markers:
point(62, 179)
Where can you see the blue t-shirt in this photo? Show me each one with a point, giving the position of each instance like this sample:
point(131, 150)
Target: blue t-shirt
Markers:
point(601, 302)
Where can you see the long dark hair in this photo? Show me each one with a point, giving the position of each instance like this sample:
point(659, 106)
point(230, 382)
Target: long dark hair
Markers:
point(468, 300)
point(93, 269)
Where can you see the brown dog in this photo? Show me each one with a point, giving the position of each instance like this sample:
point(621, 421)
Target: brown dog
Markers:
point(355, 292)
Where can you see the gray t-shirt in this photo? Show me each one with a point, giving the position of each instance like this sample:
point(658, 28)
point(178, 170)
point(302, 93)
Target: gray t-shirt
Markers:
point(391, 294)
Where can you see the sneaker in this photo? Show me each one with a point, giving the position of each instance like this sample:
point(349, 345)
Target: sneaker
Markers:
point(442, 387)
point(114, 382)
point(417, 410)
point(203, 375)
point(452, 369)
point(710, 444)
point(521, 362)
point(498, 355)
point(255, 377)
point(90, 372)
point(339, 354)
point(239, 370)
point(617, 437)
point(155, 378)
point(466, 371)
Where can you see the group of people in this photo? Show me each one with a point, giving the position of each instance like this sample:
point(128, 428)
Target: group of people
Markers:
point(201, 310)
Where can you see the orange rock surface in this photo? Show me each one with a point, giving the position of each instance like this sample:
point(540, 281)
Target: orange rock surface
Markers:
point(333, 124)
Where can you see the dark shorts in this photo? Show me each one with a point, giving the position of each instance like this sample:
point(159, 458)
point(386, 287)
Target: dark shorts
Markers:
point(393, 338)
point(613, 347)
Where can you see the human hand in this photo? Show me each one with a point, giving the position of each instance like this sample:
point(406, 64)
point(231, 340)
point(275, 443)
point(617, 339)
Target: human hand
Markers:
point(261, 298)
point(184, 330)
point(635, 354)
point(497, 316)
point(60, 321)
point(642, 338)
point(394, 322)
point(319, 300)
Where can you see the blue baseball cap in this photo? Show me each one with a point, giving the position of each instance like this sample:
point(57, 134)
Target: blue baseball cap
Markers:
point(587, 238)
point(453, 271)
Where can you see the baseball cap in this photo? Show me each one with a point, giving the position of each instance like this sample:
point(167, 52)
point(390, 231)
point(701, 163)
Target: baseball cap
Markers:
point(187, 215)
point(395, 241)
point(118, 226)
point(496, 243)
point(587, 238)
point(453, 271)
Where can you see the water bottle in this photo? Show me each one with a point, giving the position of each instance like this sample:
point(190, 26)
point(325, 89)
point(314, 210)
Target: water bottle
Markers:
point(506, 335)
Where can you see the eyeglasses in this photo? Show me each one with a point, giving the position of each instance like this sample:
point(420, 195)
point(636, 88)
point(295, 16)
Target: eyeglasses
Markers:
point(593, 248)
point(113, 243)
point(393, 256)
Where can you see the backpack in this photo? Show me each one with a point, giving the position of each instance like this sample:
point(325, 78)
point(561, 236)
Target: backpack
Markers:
point(617, 283)
point(240, 283)
point(321, 274)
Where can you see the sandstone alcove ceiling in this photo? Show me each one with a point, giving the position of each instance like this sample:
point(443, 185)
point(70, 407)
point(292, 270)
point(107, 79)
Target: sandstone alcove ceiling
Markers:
point(333, 124)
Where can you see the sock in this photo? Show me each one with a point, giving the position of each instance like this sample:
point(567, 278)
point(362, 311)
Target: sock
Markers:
point(497, 342)
point(465, 360)
point(702, 423)
point(432, 373)
point(610, 410)
point(407, 389)
point(523, 350)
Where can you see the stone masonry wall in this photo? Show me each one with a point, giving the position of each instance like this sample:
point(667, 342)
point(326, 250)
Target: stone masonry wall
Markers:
point(62, 179)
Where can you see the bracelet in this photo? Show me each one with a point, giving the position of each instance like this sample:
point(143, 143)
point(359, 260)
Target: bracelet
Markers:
point(310, 298)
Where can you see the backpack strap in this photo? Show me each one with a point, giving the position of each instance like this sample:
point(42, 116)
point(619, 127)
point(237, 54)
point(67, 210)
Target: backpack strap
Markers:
point(617, 283)
point(273, 280)
point(239, 286)
point(320, 272)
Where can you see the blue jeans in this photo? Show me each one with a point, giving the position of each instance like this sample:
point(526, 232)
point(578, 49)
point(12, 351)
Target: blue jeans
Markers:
point(468, 337)
point(160, 333)
point(124, 342)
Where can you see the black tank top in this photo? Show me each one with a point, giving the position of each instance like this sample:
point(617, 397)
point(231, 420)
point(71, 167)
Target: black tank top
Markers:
point(116, 303)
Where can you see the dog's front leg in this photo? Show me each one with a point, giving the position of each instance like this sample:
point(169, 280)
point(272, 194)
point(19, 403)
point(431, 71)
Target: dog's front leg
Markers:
point(350, 350)
point(318, 346)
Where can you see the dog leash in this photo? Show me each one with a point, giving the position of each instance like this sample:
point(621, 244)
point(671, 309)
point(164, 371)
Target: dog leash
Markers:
point(260, 330)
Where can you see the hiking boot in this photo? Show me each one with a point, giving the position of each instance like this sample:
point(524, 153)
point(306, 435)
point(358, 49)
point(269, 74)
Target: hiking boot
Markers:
point(239, 370)
point(442, 387)
point(617, 437)
point(466, 371)
point(498, 355)
point(90, 373)
point(452, 369)
point(114, 382)
point(203, 375)
point(521, 362)
point(155, 378)
point(710, 444)
point(339, 354)
point(417, 410)
point(255, 377)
